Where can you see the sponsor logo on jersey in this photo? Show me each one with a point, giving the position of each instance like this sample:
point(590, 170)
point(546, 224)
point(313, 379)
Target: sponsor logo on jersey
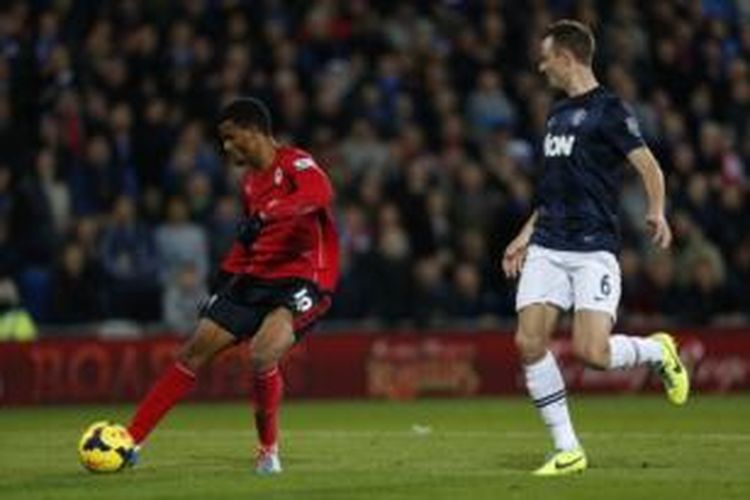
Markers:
point(558, 145)
point(304, 163)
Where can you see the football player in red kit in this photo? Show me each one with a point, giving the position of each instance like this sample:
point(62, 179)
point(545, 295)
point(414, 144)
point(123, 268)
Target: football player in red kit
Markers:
point(275, 282)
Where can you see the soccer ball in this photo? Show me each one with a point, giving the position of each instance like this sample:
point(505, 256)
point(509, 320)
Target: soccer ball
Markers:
point(105, 447)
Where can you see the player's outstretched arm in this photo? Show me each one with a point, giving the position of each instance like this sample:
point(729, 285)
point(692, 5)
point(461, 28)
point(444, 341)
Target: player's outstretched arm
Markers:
point(515, 253)
point(653, 180)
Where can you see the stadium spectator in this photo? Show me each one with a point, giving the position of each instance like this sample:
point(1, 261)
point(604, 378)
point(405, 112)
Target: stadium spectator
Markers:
point(98, 180)
point(488, 107)
point(706, 298)
point(362, 151)
point(130, 264)
point(10, 259)
point(76, 288)
point(182, 296)
point(388, 269)
point(431, 299)
point(6, 195)
point(40, 211)
point(221, 228)
point(739, 279)
point(357, 239)
point(180, 242)
point(469, 300)
point(660, 297)
point(631, 275)
point(15, 322)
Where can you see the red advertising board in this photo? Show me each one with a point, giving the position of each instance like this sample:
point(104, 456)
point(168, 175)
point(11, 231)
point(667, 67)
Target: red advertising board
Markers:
point(350, 365)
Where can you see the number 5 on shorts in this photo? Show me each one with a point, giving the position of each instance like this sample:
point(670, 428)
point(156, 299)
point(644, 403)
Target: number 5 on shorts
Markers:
point(302, 300)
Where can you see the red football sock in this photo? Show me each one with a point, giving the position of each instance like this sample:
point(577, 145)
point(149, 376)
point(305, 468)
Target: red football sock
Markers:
point(269, 387)
point(164, 394)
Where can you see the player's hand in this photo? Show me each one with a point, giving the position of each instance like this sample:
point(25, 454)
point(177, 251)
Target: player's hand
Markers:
point(248, 229)
point(661, 234)
point(514, 257)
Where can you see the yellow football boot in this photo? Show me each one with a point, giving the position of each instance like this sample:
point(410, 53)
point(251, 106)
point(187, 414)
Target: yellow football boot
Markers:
point(562, 463)
point(673, 373)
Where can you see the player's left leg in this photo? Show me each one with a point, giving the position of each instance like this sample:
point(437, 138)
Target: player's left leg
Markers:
point(591, 339)
point(593, 344)
point(268, 346)
point(596, 284)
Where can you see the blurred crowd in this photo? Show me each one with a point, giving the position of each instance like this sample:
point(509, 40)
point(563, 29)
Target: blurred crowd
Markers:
point(428, 115)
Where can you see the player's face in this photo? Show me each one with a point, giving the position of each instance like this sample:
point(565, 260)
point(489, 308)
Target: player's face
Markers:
point(553, 63)
point(240, 145)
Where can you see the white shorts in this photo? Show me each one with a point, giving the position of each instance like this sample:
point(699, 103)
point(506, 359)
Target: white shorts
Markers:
point(582, 280)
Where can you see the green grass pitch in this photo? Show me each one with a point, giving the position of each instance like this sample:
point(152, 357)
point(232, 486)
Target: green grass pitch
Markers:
point(639, 447)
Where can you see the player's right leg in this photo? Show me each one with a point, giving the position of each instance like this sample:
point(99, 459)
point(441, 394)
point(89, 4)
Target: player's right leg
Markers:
point(546, 387)
point(543, 290)
point(209, 340)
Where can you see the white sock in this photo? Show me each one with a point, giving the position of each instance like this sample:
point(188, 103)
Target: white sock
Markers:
point(628, 351)
point(547, 388)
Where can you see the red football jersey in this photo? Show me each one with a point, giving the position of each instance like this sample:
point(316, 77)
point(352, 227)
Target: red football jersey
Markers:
point(298, 238)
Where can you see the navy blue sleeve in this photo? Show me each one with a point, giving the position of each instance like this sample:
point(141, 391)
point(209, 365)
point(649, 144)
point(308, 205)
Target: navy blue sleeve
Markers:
point(620, 127)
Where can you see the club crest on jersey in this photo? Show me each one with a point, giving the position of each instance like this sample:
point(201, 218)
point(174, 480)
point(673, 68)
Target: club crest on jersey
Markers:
point(278, 176)
point(303, 163)
point(632, 124)
point(558, 145)
point(578, 117)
